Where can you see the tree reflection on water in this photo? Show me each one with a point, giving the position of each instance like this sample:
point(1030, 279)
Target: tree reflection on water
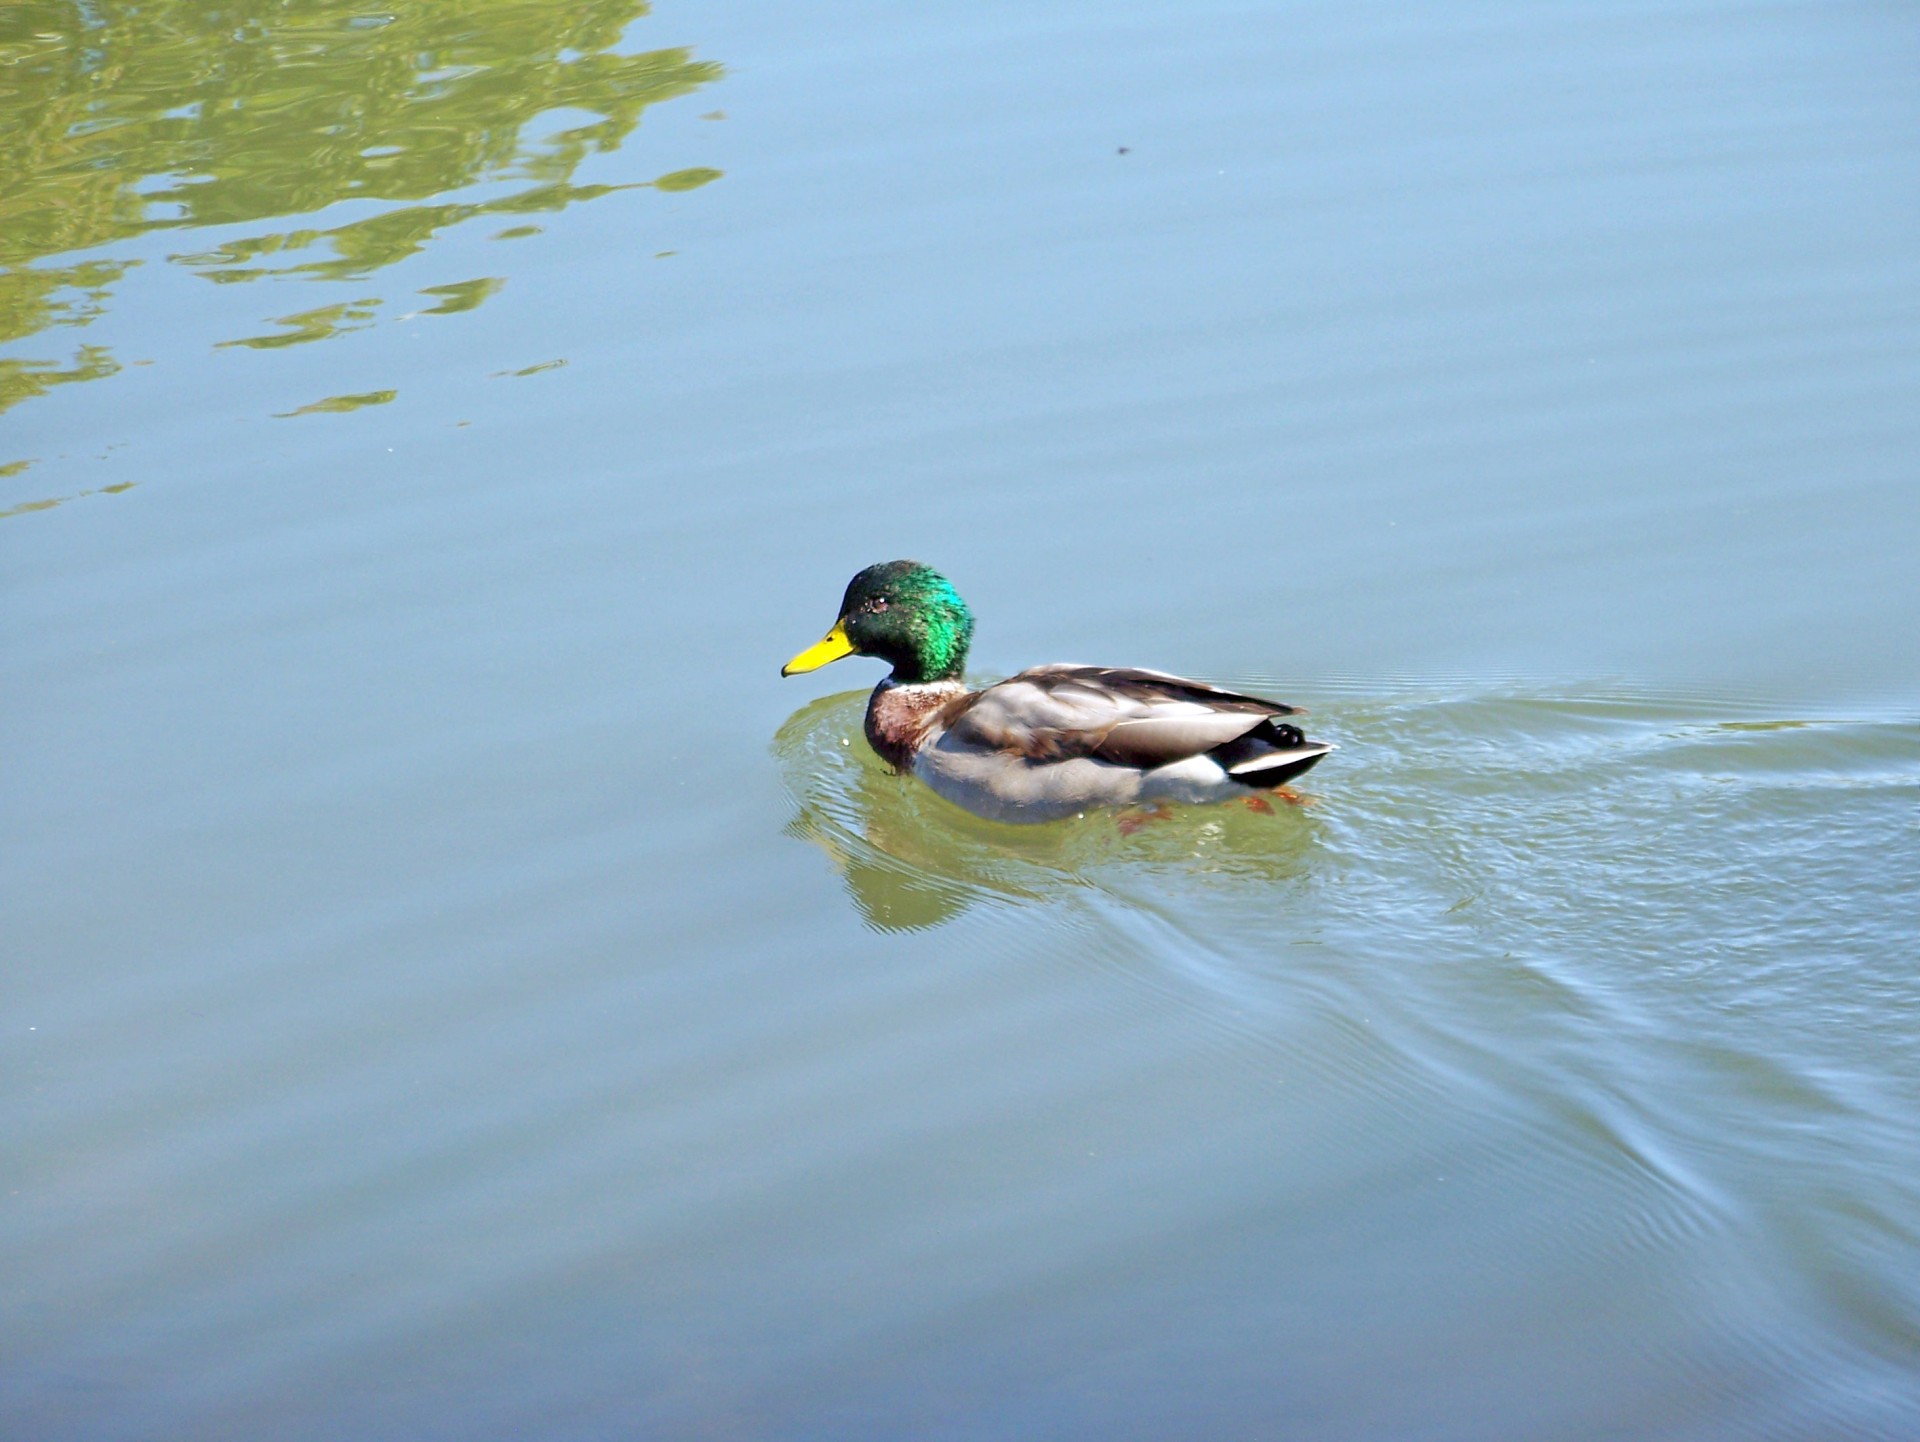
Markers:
point(123, 117)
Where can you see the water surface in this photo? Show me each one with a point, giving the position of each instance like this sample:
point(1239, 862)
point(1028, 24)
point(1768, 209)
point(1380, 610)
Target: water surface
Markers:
point(455, 989)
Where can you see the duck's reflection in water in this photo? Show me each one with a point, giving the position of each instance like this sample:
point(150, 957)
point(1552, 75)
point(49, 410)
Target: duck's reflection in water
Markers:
point(911, 860)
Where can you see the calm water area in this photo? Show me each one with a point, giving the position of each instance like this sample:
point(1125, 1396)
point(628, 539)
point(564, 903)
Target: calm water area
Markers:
point(452, 988)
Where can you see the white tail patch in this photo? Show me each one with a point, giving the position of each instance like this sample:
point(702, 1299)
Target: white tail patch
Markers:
point(1268, 760)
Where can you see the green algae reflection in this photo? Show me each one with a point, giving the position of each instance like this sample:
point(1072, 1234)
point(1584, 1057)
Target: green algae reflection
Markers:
point(124, 117)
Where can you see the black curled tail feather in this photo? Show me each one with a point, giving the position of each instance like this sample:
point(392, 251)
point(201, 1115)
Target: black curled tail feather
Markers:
point(1280, 733)
point(1270, 755)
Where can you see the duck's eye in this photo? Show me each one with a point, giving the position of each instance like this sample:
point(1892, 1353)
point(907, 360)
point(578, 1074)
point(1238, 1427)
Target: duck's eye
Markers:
point(877, 604)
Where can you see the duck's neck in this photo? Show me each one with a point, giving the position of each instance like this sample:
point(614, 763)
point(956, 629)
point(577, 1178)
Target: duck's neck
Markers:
point(900, 714)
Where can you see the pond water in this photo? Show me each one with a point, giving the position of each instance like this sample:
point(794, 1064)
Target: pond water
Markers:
point(455, 989)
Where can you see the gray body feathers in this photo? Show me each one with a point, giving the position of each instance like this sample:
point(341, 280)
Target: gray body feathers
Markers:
point(1056, 740)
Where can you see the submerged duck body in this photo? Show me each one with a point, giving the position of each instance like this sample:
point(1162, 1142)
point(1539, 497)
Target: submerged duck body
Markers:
point(1054, 740)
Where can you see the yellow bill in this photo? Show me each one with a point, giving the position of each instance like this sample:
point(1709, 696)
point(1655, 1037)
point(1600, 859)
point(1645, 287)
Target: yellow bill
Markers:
point(830, 647)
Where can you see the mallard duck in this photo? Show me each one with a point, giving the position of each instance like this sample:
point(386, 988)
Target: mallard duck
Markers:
point(1052, 741)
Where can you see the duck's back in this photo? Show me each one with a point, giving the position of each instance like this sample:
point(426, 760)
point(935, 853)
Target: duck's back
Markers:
point(1056, 740)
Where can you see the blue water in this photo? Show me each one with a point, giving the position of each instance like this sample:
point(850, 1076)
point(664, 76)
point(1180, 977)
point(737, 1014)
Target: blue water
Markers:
point(455, 989)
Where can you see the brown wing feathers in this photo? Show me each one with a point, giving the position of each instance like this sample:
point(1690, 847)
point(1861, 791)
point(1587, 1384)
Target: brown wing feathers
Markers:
point(1121, 715)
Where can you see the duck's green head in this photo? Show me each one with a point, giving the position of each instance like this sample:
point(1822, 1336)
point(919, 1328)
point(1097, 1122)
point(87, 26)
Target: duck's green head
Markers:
point(902, 612)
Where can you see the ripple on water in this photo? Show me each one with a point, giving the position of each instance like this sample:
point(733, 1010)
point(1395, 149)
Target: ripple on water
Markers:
point(1661, 944)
